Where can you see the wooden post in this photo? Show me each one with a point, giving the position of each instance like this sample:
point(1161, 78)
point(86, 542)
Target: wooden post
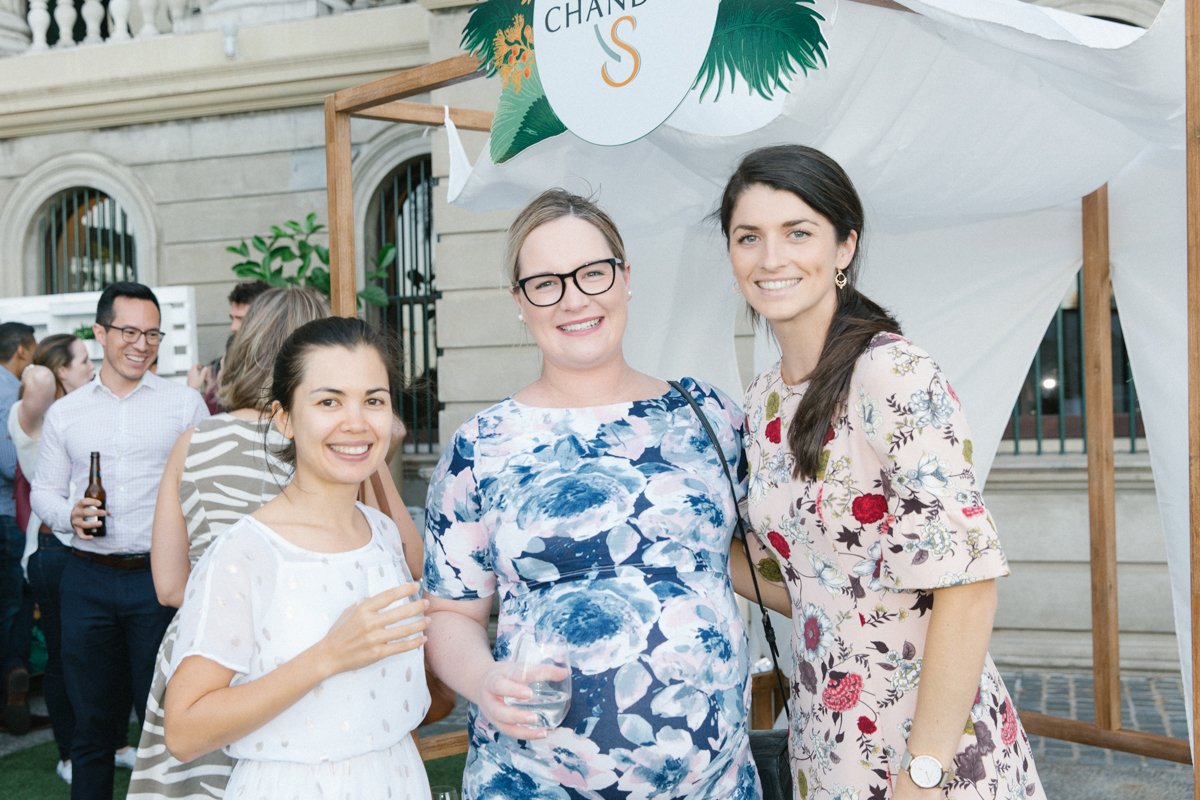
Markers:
point(1192, 145)
point(1102, 506)
point(338, 172)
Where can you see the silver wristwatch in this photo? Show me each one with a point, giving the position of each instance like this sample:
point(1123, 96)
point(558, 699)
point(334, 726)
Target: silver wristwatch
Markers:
point(926, 771)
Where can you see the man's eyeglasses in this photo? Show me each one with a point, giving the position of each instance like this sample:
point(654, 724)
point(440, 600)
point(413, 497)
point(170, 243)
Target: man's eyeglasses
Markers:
point(594, 277)
point(130, 334)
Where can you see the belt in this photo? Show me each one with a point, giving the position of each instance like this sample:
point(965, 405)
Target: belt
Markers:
point(45, 530)
point(128, 561)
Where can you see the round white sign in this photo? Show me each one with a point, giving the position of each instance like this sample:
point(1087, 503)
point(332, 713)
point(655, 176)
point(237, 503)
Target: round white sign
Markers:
point(613, 70)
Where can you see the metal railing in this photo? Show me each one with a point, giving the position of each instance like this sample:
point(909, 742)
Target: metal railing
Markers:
point(403, 207)
point(86, 242)
point(1049, 415)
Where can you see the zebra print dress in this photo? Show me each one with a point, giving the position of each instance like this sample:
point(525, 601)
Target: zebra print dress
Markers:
point(227, 475)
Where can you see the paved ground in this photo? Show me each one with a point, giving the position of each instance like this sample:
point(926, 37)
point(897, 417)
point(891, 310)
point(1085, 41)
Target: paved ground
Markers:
point(1153, 703)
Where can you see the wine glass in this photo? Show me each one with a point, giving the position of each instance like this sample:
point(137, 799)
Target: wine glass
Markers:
point(544, 665)
point(443, 793)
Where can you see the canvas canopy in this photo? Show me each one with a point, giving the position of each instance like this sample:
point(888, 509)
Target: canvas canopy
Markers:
point(971, 128)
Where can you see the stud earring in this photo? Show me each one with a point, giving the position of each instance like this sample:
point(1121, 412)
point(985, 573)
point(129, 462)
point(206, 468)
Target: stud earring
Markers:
point(839, 280)
point(630, 295)
point(520, 317)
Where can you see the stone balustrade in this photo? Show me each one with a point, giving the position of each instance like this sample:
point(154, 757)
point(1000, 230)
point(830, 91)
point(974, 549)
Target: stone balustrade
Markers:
point(36, 25)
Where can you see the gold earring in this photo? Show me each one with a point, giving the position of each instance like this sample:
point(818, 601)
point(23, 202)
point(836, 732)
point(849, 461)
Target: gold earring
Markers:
point(839, 280)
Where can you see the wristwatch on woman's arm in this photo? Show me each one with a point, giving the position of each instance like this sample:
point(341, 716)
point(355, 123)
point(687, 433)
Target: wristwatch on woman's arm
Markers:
point(926, 771)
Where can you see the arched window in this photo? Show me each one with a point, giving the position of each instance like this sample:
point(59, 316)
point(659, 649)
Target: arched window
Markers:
point(85, 241)
point(401, 214)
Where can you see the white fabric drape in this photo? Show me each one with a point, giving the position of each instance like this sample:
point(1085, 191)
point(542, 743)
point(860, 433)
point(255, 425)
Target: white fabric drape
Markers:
point(972, 128)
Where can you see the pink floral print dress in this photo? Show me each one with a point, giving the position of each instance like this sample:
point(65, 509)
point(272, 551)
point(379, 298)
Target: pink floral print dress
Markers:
point(893, 514)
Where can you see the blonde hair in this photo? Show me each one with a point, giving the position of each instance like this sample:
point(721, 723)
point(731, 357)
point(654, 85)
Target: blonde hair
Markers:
point(245, 380)
point(548, 206)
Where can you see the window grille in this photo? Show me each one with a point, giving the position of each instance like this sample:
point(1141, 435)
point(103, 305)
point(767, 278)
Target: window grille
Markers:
point(86, 242)
point(1049, 415)
point(402, 215)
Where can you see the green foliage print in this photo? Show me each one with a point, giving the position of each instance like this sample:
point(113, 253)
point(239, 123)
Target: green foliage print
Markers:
point(763, 41)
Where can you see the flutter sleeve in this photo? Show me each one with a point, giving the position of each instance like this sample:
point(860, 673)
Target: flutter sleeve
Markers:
point(458, 552)
point(216, 620)
point(936, 530)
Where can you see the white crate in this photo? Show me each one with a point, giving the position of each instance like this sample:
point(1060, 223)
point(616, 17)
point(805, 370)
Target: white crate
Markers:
point(64, 313)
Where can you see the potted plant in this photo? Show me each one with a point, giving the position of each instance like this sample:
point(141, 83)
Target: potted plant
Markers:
point(266, 258)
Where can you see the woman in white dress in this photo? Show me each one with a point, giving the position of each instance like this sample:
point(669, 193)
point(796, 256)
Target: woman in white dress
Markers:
point(300, 647)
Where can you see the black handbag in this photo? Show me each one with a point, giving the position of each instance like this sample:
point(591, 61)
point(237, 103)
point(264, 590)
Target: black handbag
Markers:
point(769, 748)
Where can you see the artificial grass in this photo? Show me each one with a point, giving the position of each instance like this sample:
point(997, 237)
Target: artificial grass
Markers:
point(29, 774)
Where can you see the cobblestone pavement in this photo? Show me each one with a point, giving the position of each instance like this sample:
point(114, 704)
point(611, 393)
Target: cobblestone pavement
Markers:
point(1153, 703)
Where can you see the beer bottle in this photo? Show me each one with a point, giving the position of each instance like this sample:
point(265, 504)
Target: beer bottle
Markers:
point(96, 489)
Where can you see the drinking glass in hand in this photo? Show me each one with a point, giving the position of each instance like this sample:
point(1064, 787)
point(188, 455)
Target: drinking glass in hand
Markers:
point(544, 665)
point(444, 793)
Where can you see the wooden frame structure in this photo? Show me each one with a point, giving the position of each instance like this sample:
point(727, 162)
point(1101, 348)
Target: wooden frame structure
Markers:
point(385, 99)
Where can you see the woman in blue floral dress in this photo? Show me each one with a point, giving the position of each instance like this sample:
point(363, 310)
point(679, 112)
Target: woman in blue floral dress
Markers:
point(864, 502)
point(593, 503)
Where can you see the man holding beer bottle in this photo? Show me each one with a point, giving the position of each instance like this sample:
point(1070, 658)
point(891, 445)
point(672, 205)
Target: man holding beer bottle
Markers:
point(124, 423)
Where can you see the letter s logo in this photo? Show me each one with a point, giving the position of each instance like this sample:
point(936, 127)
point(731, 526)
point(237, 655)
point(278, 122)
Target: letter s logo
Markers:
point(628, 48)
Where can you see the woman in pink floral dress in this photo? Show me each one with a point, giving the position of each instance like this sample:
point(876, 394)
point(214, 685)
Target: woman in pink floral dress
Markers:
point(865, 505)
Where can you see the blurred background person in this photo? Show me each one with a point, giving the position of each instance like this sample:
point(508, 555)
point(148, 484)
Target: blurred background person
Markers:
point(17, 344)
point(60, 365)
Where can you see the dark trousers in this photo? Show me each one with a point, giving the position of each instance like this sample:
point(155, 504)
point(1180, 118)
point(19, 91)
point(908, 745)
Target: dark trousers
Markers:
point(46, 567)
point(112, 625)
point(16, 605)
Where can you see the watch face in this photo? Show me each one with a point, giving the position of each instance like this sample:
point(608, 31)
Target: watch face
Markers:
point(925, 771)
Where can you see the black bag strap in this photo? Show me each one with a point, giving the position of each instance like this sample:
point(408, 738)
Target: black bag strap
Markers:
point(768, 628)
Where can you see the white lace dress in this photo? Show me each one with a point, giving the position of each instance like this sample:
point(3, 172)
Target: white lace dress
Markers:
point(255, 601)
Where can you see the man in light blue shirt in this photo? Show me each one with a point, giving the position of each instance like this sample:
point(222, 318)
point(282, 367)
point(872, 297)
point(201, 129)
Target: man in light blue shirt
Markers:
point(16, 605)
point(112, 622)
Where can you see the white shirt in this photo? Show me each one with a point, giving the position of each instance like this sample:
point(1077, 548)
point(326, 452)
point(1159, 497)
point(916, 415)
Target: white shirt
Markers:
point(133, 434)
point(27, 453)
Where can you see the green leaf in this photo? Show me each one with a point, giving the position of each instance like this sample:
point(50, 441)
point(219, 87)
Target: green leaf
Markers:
point(769, 569)
point(523, 119)
point(247, 269)
point(322, 254)
point(260, 244)
point(377, 274)
point(310, 223)
point(284, 254)
point(479, 34)
point(375, 295)
point(242, 249)
point(277, 232)
point(764, 41)
point(386, 257)
point(295, 226)
point(319, 280)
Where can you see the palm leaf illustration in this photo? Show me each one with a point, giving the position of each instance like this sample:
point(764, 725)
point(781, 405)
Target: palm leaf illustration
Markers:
point(479, 33)
point(522, 118)
point(764, 41)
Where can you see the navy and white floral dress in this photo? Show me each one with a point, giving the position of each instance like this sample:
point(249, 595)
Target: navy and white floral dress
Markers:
point(610, 525)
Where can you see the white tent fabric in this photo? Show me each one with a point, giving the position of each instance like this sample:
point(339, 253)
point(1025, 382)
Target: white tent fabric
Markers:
point(972, 128)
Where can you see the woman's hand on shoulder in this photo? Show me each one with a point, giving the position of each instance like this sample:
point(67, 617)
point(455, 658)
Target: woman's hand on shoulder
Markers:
point(375, 629)
point(498, 683)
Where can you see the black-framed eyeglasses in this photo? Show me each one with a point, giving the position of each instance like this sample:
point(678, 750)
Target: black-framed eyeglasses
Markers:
point(593, 278)
point(130, 334)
